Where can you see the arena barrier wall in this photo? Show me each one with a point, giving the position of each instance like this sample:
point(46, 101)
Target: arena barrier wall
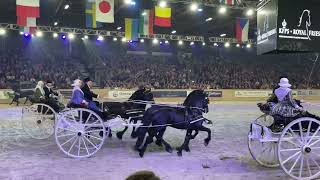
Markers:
point(179, 95)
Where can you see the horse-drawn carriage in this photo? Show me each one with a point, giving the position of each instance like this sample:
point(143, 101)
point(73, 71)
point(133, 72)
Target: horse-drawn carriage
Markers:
point(292, 144)
point(81, 132)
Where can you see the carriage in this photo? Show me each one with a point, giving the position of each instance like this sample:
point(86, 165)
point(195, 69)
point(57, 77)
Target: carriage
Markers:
point(294, 145)
point(85, 126)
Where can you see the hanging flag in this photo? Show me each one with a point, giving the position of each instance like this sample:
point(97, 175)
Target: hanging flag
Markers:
point(227, 2)
point(239, 2)
point(146, 22)
point(27, 21)
point(28, 8)
point(162, 17)
point(131, 29)
point(242, 29)
point(91, 21)
point(105, 11)
point(29, 30)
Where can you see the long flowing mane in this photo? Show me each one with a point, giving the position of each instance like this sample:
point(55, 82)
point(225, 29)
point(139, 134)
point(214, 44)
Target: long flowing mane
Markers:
point(193, 97)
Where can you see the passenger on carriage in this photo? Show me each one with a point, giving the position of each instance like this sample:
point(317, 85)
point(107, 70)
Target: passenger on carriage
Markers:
point(78, 100)
point(39, 94)
point(51, 97)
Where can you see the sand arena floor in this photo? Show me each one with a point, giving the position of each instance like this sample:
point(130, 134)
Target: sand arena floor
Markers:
point(225, 158)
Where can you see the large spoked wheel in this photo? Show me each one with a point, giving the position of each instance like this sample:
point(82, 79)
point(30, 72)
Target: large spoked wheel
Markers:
point(38, 121)
point(80, 133)
point(265, 153)
point(299, 149)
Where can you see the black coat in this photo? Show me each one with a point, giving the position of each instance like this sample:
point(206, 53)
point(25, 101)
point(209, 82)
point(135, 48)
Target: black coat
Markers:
point(88, 95)
point(48, 91)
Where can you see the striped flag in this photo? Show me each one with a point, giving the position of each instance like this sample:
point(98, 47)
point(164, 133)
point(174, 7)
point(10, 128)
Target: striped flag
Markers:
point(27, 13)
point(239, 2)
point(227, 2)
point(146, 22)
point(91, 21)
point(242, 29)
point(29, 30)
point(131, 29)
point(162, 17)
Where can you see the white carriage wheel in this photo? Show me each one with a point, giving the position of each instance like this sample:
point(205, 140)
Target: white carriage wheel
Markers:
point(80, 133)
point(38, 121)
point(265, 153)
point(299, 149)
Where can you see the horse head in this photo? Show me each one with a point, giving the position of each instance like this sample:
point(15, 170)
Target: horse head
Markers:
point(197, 100)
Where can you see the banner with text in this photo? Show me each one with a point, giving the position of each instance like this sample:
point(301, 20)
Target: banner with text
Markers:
point(252, 94)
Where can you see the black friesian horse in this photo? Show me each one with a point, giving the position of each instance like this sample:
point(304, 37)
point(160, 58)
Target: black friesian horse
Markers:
point(132, 109)
point(189, 117)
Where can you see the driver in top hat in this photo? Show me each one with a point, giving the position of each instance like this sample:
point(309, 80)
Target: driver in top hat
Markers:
point(88, 94)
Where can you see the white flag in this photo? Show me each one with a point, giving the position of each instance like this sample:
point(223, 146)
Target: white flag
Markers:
point(105, 11)
point(32, 3)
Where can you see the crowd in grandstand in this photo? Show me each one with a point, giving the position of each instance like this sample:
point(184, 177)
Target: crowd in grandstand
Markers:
point(129, 71)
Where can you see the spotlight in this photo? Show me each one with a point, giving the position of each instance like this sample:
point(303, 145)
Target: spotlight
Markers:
point(55, 35)
point(209, 19)
point(180, 42)
point(66, 6)
point(173, 32)
point(194, 7)
point(160, 42)
point(250, 12)
point(223, 35)
point(133, 3)
point(2, 31)
point(71, 36)
point(203, 44)
point(192, 43)
point(144, 13)
point(238, 45)
point(115, 39)
point(82, 39)
point(100, 38)
point(155, 41)
point(130, 41)
point(55, 23)
point(215, 44)
point(167, 42)
point(64, 37)
point(163, 4)
point(123, 39)
point(248, 45)
point(119, 28)
point(200, 9)
point(142, 40)
point(227, 44)
point(222, 10)
point(39, 34)
point(86, 37)
point(127, 1)
point(21, 33)
point(26, 34)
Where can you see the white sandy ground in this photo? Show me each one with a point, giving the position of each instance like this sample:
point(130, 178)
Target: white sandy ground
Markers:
point(226, 157)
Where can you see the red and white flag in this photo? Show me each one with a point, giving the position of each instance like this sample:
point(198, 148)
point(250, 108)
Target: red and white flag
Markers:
point(27, 21)
point(105, 11)
point(28, 8)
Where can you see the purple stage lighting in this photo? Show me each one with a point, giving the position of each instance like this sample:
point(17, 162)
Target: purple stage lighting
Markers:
point(64, 37)
point(26, 34)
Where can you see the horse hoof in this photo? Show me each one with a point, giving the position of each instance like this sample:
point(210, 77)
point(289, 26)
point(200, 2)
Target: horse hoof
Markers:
point(179, 154)
point(110, 135)
point(206, 142)
point(141, 153)
point(119, 135)
point(159, 143)
point(169, 150)
point(187, 149)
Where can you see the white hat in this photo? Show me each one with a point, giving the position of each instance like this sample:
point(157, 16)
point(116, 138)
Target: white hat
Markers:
point(76, 82)
point(40, 83)
point(284, 82)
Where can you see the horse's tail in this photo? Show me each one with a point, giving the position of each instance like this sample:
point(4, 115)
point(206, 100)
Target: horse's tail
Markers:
point(142, 131)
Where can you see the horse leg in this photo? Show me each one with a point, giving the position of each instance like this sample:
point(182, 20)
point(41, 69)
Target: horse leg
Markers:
point(141, 133)
point(134, 133)
point(149, 140)
point(161, 141)
point(25, 101)
point(187, 148)
point(120, 134)
point(208, 139)
point(186, 140)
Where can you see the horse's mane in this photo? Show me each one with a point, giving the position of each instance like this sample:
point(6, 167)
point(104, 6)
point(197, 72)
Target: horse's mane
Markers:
point(193, 96)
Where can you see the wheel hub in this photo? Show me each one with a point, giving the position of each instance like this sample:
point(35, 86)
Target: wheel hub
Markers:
point(39, 122)
point(79, 134)
point(307, 150)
